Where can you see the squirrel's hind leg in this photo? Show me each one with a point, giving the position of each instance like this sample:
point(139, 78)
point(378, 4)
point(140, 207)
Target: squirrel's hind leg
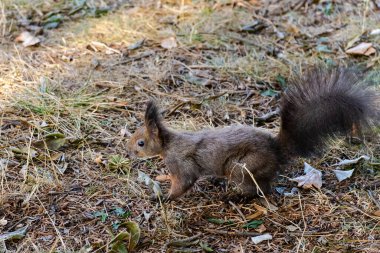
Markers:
point(252, 175)
point(179, 185)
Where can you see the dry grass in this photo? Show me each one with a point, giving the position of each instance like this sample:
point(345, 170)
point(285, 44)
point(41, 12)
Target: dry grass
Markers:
point(95, 97)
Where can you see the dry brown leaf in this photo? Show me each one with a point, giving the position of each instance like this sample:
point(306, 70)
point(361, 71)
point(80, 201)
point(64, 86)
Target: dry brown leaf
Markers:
point(291, 228)
point(260, 208)
point(99, 46)
point(261, 228)
point(254, 215)
point(377, 213)
point(370, 51)
point(362, 49)
point(169, 43)
point(27, 39)
point(292, 29)
point(98, 160)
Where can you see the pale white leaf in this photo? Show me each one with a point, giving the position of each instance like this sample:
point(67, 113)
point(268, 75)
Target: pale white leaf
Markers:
point(361, 49)
point(142, 177)
point(3, 221)
point(375, 32)
point(18, 234)
point(352, 161)
point(169, 43)
point(343, 174)
point(261, 238)
point(291, 228)
point(312, 177)
point(27, 39)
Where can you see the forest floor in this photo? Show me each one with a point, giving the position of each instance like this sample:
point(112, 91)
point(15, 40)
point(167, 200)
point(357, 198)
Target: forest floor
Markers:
point(75, 77)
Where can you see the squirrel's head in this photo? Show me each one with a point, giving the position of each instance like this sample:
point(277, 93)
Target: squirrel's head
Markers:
point(147, 140)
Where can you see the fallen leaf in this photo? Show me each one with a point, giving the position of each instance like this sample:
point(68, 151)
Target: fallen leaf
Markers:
point(353, 41)
point(261, 238)
point(24, 152)
point(343, 174)
point(352, 161)
point(18, 234)
point(324, 49)
point(293, 192)
point(142, 177)
point(193, 79)
point(269, 93)
point(253, 224)
point(136, 45)
point(99, 46)
point(260, 208)
point(377, 213)
point(291, 228)
point(52, 21)
point(169, 43)
point(3, 221)
point(312, 177)
point(322, 240)
point(254, 27)
point(126, 241)
point(53, 141)
point(292, 29)
point(261, 229)
point(370, 51)
point(27, 39)
point(254, 215)
point(205, 247)
point(43, 124)
point(98, 160)
point(362, 49)
point(375, 32)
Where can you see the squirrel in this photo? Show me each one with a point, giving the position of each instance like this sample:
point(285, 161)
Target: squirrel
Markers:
point(317, 105)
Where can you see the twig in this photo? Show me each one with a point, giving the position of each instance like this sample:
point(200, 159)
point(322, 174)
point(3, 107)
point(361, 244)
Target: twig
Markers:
point(238, 210)
point(181, 242)
point(244, 233)
point(304, 223)
point(134, 58)
point(175, 108)
point(233, 233)
point(247, 41)
point(377, 203)
point(268, 116)
point(53, 223)
point(193, 102)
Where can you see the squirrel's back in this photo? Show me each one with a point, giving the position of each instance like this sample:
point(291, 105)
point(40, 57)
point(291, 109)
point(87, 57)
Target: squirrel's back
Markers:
point(324, 102)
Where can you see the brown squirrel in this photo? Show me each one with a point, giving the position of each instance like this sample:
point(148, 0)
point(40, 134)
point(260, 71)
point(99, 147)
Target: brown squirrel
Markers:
point(317, 105)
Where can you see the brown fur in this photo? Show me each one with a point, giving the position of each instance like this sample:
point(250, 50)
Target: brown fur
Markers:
point(315, 106)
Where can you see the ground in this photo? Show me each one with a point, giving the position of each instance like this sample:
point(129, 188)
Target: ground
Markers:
point(70, 102)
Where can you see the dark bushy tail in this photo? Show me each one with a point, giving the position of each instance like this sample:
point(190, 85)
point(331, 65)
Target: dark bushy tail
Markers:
point(154, 124)
point(324, 102)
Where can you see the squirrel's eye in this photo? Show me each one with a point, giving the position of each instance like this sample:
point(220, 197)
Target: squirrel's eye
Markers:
point(140, 143)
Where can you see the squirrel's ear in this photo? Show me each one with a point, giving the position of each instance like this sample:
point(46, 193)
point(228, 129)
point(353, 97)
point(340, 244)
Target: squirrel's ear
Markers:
point(152, 119)
point(151, 129)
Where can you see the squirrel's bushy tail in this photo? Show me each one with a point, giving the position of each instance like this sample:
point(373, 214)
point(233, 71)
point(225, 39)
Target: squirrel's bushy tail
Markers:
point(324, 102)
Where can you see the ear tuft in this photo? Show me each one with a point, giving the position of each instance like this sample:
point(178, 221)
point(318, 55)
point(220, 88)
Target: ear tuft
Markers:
point(152, 118)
